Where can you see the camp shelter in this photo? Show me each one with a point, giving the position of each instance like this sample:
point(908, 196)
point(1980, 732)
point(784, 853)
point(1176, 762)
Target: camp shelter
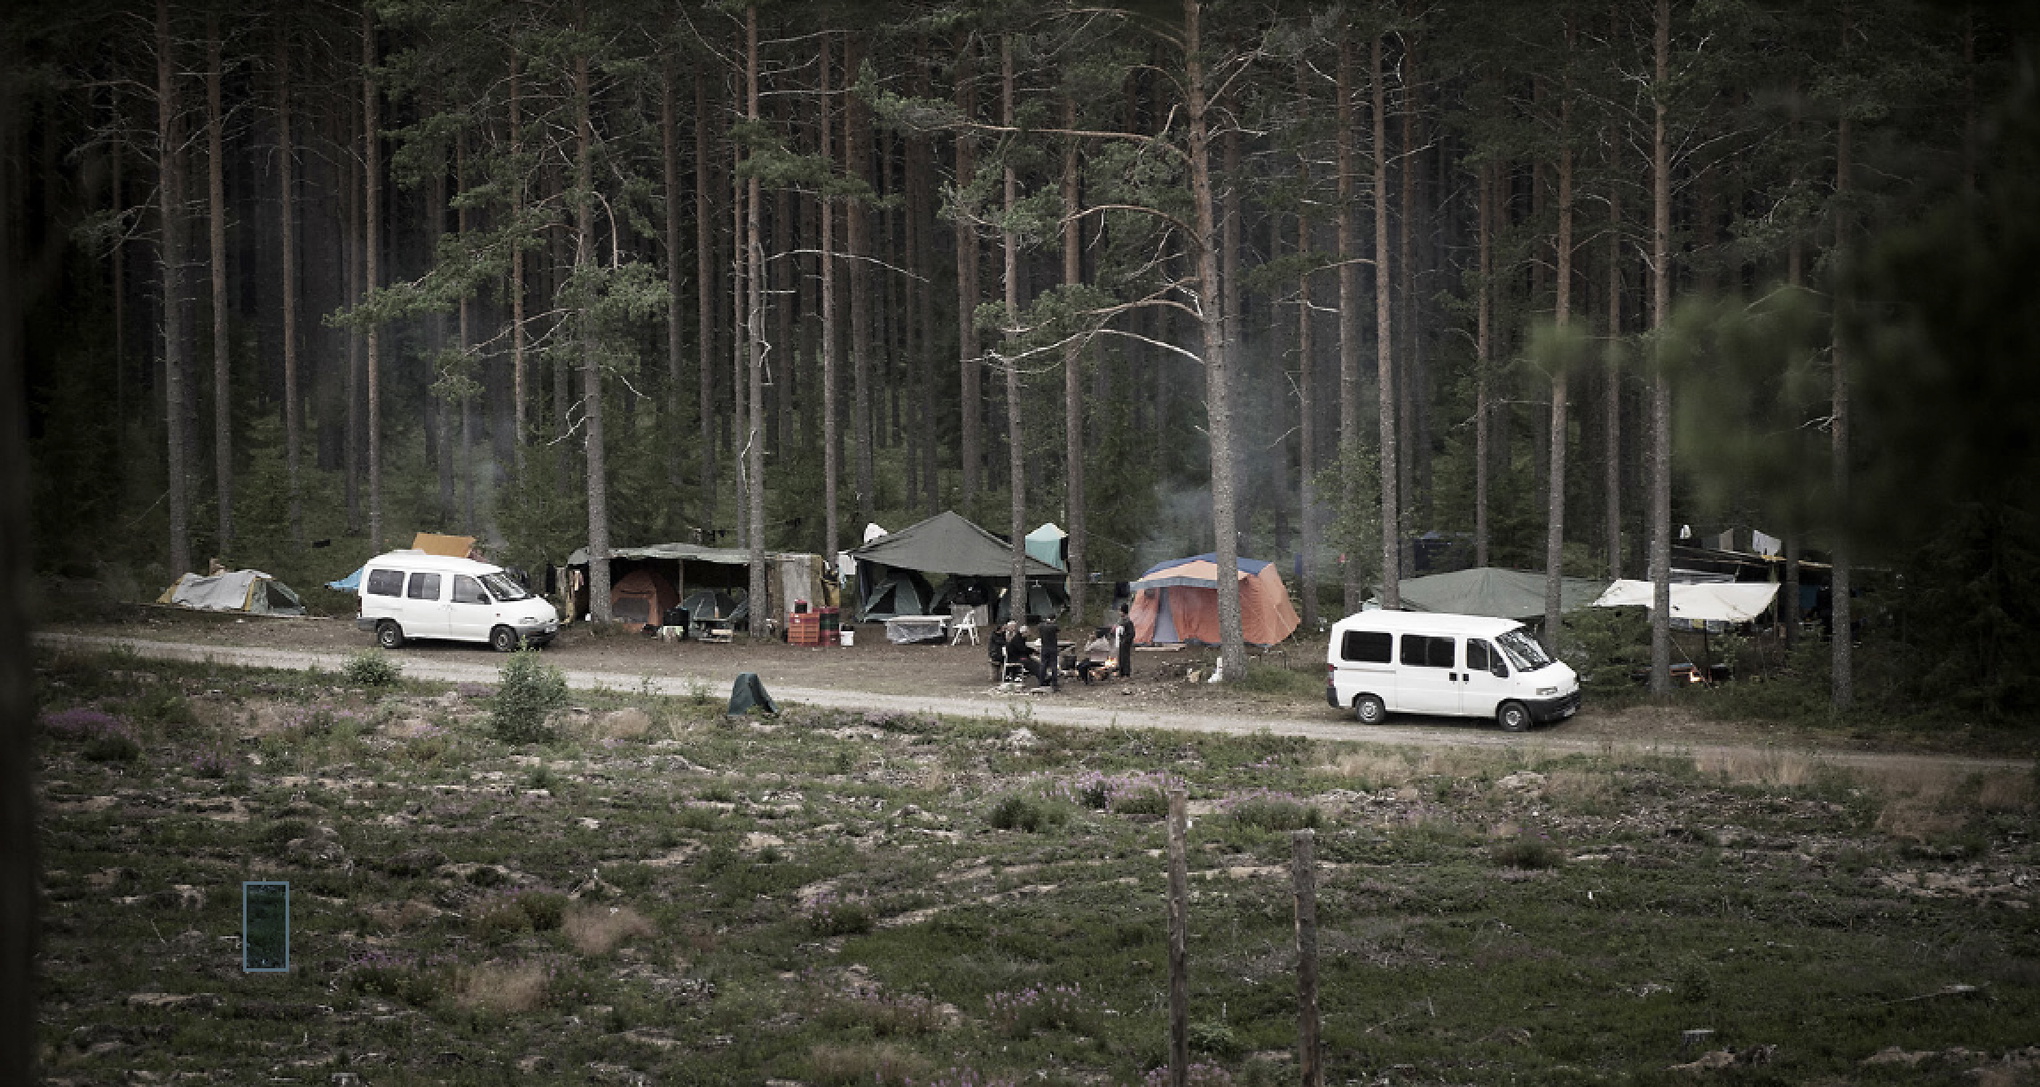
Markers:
point(1488, 590)
point(1051, 545)
point(249, 592)
point(685, 568)
point(947, 545)
point(1177, 601)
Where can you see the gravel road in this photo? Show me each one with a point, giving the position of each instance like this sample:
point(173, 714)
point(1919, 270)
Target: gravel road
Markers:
point(1021, 709)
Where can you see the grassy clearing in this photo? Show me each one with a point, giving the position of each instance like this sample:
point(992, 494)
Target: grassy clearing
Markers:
point(839, 898)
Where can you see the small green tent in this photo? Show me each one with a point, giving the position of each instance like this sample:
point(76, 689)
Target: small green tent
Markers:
point(1487, 590)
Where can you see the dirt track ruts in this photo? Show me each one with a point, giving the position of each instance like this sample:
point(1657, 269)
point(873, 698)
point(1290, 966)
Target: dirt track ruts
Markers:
point(1023, 709)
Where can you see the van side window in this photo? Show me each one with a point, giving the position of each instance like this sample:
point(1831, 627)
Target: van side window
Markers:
point(467, 590)
point(1478, 657)
point(424, 587)
point(385, 583)
point(1424, 651)
point(1367, 646)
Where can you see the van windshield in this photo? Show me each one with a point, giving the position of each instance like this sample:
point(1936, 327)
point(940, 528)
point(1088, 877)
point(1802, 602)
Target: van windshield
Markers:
point(503, 588)
point(1523, 650)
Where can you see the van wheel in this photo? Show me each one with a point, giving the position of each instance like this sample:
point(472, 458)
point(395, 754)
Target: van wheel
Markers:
point(1368, 709)
point(1513, 717)
point(388, 634)
point(503, 640)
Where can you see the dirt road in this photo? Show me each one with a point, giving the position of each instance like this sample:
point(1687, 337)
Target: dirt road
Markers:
point(955, 681)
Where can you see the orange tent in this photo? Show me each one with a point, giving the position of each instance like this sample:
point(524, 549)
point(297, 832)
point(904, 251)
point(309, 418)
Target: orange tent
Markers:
point(1177, 601)
point(642, 597)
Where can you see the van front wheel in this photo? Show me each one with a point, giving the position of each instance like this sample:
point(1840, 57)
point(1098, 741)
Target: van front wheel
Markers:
point(503, 640)
point(1368, 709)
point(388, 634)
point(1513, 717)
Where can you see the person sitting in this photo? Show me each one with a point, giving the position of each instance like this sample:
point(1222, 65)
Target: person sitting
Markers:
point(1020, 653)
point(1097, 655)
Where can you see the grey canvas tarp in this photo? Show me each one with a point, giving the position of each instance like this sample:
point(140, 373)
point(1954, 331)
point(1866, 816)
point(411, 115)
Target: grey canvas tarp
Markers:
point(251, 592)
point(945, 544)
point(1488, 590)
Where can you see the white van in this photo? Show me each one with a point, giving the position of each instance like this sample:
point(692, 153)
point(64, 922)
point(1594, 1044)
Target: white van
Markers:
point(412, 594)
point(1383, 662)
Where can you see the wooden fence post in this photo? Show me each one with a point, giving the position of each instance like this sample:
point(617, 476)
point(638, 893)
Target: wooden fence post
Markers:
point(1303, 872)
point(1179, 943)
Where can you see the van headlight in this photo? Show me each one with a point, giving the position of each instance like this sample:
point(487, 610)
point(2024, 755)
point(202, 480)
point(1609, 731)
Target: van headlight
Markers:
point(529, 620)
point(1547, 690)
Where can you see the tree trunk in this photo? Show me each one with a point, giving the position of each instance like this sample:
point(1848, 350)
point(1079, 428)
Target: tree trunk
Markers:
point(1841, 665)
point(1612, 483)
point(293, 408)
point(1407, 364)
point(669, 145)
point(465, 223)
point(591, 363)
point(170, 193)
point(1661, 389)
point(435, 344)
point(1484, 354)
point(832, 442)
point(1554, 508)
point(1016, 600)
point(1349, 324)
point(371, 106)
point(350, 256)
point(970, 362)
point(761, 612)
point(1073, 376)
point(520, 394)
point(216, 221)
point(857, 156)
point(1306, 364)
point(20, 864)
point(1384, 349)
point(704, 281)
point(1217, 377)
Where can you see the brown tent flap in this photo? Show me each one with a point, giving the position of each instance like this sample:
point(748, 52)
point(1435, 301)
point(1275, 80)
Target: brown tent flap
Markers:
point(453, 547)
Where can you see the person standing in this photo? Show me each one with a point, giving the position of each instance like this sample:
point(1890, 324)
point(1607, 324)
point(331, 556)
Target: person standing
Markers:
point(1125, 641)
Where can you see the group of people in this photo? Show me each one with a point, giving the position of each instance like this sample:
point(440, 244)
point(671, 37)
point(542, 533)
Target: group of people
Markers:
point(1109, 651)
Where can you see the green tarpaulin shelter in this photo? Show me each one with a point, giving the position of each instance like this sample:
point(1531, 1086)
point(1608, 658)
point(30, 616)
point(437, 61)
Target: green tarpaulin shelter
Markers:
point(945, 544)
point(1487, 590)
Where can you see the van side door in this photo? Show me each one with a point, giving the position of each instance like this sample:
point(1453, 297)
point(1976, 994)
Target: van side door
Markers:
point(425, 605)
point(1428, 673)
point(472, 613)
point(1488, 681)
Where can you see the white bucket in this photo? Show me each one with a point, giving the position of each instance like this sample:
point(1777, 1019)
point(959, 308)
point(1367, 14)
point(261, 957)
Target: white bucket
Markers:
point(849, 637)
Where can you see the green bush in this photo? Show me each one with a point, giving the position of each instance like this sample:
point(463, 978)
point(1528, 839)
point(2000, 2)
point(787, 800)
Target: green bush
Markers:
point(372, 668)
point(1528, 849)
point(1275, 812)
point(1016, 812)
point(527, 693)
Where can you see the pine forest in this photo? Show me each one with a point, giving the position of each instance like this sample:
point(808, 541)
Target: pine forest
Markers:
point(1558, 285)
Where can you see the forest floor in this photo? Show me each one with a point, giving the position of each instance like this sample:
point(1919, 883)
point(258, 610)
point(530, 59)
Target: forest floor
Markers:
point(859, 894)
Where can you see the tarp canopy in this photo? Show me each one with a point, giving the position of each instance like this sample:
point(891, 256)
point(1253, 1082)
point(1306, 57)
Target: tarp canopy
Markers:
point(1488, 590)
point(945, 544)
point(1050, 544)
point(250, 592)
point(1177, 601)
point(349, 584)
point(1734, 602)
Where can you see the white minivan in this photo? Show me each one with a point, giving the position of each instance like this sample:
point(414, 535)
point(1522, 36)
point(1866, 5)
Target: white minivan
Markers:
point(413, 594)
point(1383, 662)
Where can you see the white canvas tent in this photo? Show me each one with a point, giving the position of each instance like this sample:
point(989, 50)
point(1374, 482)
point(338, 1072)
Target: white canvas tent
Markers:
point(1729, 602)
point(250, 592)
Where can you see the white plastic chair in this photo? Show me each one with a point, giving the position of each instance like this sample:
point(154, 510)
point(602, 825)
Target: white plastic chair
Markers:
point(962, 621)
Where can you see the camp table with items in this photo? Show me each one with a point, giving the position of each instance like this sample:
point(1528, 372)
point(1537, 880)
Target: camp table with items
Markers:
point(905, 629)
